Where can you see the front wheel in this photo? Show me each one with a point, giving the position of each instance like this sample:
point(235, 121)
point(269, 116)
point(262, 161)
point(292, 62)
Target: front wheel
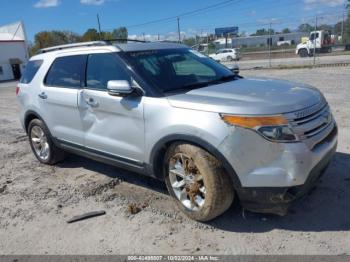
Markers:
point(197, 181)
point(229, 58)
point(303, 53)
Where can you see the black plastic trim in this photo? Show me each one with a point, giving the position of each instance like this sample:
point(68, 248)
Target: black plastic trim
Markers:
point(101, 156)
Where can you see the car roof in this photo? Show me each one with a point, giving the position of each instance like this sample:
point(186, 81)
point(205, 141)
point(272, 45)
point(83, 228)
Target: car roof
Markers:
point(129, 47)
point(106, 46)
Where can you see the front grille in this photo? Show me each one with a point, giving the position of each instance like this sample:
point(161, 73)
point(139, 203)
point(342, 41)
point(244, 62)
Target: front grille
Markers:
point(312, 121)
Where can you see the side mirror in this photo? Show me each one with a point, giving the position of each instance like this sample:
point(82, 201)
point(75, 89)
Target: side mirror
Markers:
point(119, 88)
point(234, 69)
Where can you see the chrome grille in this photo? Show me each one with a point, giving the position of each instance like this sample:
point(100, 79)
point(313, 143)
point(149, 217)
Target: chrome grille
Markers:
point(312, 121)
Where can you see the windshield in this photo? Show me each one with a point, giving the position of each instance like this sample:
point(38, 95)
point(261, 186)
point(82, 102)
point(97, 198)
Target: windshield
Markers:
point(174, 70)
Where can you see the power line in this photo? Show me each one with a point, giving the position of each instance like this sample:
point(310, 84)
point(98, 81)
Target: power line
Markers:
point(183, 14)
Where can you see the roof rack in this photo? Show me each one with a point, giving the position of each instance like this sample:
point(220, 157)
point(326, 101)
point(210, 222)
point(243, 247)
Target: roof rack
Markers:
point(83, 44)
point(87, 44)
point(124, 40)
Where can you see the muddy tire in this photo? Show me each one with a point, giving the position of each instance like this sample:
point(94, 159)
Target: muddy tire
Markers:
point(197, 181)
point(42, 145)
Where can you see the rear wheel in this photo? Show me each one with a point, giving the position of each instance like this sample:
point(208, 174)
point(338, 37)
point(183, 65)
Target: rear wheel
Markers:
point(197, 181)
point(41, 143)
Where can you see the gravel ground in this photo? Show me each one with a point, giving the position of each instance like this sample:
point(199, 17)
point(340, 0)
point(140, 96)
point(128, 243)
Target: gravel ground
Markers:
point(36, 200)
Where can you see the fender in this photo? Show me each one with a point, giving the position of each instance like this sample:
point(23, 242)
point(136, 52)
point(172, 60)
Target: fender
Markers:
point(159, 149)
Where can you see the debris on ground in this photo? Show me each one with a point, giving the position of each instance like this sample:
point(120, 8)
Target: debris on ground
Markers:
point(3, 188)
point(133, 209)
point(86, 216)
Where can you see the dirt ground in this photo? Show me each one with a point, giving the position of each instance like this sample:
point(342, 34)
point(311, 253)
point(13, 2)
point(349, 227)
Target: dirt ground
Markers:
point(36, 200)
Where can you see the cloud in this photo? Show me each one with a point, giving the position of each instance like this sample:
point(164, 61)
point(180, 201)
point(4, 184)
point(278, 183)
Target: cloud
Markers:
point(46, 3)
point(92, 2)
point(309, 4)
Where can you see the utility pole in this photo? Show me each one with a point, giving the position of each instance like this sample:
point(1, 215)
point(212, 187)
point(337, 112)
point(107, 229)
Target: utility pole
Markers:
point(315, 40)
point(342, 29)
point(208, 43)
point(270, 43)
point(178, 29)
point(144, 37)
point(99, 26)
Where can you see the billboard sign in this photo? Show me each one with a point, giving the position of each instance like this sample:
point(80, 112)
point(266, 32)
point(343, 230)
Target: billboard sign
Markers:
point(224, 31)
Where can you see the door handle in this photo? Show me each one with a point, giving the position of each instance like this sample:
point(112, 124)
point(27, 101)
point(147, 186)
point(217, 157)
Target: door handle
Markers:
point(91, 102)
point(42, 95)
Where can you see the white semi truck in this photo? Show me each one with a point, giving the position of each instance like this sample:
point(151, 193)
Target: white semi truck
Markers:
point(323, 41)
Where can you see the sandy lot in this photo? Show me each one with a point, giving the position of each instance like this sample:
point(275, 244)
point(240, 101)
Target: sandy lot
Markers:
point(36, 200)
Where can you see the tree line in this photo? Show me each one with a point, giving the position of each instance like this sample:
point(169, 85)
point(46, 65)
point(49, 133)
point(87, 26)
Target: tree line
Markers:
point(51, 38)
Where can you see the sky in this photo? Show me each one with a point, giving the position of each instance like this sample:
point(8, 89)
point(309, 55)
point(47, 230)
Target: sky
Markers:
point(248, 15)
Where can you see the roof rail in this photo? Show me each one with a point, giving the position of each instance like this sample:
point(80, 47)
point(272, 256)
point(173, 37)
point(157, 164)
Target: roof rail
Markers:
point(124, 40)
point(82, 44)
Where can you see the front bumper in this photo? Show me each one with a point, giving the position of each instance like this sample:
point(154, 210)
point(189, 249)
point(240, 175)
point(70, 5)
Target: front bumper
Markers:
point(273, 175)
point(276, 200)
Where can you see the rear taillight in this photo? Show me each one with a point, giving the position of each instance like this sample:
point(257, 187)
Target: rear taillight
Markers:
point(17, 90)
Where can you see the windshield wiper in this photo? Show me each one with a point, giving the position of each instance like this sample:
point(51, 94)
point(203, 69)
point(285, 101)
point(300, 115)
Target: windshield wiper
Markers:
point(203, 84)
point(225, 79)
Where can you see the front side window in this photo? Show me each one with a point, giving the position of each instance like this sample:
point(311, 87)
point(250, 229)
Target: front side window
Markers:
point(67, 71)
point(173, 70)
point(102, 68)
point(30, 70)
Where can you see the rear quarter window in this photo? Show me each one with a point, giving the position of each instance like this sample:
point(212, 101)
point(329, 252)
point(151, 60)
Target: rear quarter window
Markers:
point(30, 71)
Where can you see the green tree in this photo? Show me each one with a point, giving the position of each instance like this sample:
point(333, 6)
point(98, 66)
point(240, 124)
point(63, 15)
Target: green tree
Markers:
point(286, 31)
point(91, 35)
point(51, 38)
point(120, 33)
point(191, 41)
point(263, 31)
point(325, 27)
point(346, 38)
point(107, 35)
point(337, 28)
point(305, 28)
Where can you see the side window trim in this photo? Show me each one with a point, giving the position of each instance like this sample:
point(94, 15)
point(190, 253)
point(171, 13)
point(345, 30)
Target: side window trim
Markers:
point(69, 87)
point(85, 86)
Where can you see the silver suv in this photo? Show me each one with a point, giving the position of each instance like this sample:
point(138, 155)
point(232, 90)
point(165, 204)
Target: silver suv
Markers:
point(164, 110)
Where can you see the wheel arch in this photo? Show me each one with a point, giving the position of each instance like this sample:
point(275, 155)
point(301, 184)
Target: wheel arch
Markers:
point(158, 153)
point(29, 116)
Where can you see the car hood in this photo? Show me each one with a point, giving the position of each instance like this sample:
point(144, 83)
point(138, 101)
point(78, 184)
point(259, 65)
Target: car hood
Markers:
point(249, 96)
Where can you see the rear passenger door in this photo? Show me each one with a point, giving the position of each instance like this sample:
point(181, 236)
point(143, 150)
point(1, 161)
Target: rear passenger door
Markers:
point(58, 98)
point(113, 125)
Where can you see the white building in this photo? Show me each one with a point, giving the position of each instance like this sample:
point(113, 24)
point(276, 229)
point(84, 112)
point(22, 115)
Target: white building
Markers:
point(13, 51)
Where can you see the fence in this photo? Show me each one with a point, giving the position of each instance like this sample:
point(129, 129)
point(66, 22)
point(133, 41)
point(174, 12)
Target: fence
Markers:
point(320, 44)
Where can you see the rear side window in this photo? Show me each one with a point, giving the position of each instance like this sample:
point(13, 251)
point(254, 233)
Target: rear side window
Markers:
point(31, 69)
point(66, 71)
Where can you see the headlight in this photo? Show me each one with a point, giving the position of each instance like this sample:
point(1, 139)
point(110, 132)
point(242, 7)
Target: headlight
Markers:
point(277, 133)
point(271, 127)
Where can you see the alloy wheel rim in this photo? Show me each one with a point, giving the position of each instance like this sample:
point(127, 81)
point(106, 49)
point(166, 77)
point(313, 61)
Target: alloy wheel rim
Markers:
point(39, 142)
point(187, 182)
